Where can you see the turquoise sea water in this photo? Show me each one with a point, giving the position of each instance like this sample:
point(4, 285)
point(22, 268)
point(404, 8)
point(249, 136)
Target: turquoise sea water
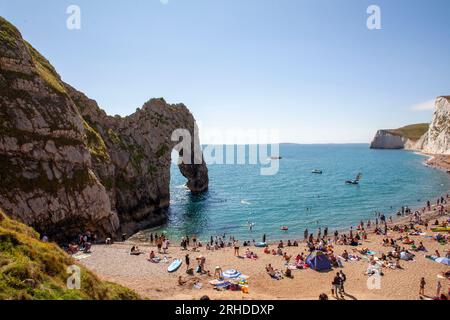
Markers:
point(238, 193)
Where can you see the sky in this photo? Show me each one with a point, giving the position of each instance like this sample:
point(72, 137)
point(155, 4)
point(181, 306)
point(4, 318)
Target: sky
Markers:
point(310, 70)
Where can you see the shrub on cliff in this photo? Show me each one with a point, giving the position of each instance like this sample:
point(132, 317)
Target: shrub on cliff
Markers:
point(32, 269)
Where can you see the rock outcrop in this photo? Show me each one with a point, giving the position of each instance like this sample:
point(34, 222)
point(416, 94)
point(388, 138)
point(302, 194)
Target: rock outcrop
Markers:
point(403, 138)
point(66, 166)
point(431, 139)
point(437, 139)
point(386, 140)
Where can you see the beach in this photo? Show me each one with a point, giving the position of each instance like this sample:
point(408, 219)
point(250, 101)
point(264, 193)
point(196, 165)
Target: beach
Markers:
point(441, 162)
point(152, 281)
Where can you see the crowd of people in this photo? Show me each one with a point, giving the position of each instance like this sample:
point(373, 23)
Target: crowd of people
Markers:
point(401, 247)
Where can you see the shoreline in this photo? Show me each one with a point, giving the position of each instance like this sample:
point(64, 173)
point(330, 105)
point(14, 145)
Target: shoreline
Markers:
point(439, 162)
point(151, 280)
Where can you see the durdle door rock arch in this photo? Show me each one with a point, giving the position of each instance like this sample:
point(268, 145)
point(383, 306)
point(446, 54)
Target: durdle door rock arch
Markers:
point(139, 148)
point(66, 166)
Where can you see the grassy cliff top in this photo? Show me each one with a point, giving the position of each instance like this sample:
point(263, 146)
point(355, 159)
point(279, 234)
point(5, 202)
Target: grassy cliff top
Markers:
point(32, 269)
point(412, 132)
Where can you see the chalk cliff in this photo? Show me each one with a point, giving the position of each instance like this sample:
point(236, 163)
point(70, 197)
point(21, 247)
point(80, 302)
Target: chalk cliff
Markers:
point(402, 138)
point(66, 166)
point(437, 138)
point(431, 139)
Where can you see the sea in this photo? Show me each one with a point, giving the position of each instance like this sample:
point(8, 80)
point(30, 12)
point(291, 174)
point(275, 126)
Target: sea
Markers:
point(243, 203)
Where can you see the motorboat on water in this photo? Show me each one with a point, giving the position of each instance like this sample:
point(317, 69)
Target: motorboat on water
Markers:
point(276, 158)
point(317, 171)
point(356, 180)
point(284, 228)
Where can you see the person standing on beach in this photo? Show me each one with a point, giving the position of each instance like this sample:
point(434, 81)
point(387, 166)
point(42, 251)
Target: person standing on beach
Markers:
point(194, 240)
point(187, 260)
point(336, 285)
point(422, 286)
point(236, 247)
point(343, 279)
point(305, 234)
point(159, 244)
point(165, 246)
point(336, 235)
point(264, 238)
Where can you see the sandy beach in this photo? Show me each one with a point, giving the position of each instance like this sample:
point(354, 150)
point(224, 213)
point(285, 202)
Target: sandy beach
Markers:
point(151, 280)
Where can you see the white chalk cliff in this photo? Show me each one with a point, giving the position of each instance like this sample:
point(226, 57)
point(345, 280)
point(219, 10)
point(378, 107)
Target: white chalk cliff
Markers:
point(433, 139)
point(437, 138)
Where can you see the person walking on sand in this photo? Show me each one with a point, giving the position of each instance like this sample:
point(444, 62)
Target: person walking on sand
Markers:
point(236, 247)
point(422, 286)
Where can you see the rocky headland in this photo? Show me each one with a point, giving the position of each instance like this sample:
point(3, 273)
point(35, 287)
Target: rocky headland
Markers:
point(66, 166)
point(431, 139)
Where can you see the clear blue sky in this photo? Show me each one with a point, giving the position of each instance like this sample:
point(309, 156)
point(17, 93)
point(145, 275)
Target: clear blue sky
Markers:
point(311, 69)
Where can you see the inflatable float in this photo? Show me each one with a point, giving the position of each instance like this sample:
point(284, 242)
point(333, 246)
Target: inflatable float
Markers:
point(174, 265)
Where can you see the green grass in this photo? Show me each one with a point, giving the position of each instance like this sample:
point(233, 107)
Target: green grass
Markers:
point(32, 269)
point(95, 143)
point(413, 132)
point(9, 35)
point(46, 70)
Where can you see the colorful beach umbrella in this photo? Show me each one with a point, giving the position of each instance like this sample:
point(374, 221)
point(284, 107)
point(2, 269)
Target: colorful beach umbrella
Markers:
point(231, 273)
point(443, 260)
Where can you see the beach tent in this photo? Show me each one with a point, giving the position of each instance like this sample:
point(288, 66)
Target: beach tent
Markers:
point(443, 260)
point(406, 256)
point(318, 261)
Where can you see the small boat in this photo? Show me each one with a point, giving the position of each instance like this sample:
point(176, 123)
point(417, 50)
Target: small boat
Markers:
point(356, 181)
point(260, 244)
point(317, 171)
point(276, 158)
point(174, 265)
point(284, 228)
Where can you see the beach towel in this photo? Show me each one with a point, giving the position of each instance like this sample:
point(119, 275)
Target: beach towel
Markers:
point(197, 285)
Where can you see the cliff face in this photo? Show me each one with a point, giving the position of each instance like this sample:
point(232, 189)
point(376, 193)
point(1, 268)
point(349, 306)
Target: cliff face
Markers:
point(431, 139)
point(437, 139)
point(402, 138)
point(386, 140)
point(65, 166)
